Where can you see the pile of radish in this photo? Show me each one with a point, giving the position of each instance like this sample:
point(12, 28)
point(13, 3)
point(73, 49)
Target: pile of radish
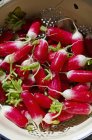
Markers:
point(44, 81)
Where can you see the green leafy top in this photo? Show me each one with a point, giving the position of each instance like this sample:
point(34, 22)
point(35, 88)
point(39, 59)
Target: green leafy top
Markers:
point(32, 66)
point(89, 62)
point(13, 89)
point(55, 49)
point(56, 107)
point(49, 75)
point(15, 19)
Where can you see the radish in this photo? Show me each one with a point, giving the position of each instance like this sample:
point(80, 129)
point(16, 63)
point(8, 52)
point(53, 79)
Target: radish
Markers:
point(82, 87)
point(14, 116)
point(77, 62)
point(28, 82)
point(43, 100)
point(51, 119)
point(21, 73)
point(34, 29)
point(16, 56)
point(51, 56)
point(78, 95)
point(58, 61)
point(39, 78)
point(77, 108)
point(79, 76)
point(55, 87)
point(88, 44)
point(64, 85)
point(10, 47)
point(41, 51)
point(35, 111)
point(78, 43)
point(53, 48)
point(65, 116)
point(59, 35)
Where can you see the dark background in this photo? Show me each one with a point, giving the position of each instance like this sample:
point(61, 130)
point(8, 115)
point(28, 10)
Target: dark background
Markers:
point(3, 138)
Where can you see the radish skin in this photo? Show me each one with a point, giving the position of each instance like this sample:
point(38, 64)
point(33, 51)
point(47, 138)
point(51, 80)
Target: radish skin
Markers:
point(77, 108)
point(78, 95)
point(82, 76)
point(14, 115)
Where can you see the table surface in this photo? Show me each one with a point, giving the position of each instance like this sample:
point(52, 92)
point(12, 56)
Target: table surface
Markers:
point(3, 138)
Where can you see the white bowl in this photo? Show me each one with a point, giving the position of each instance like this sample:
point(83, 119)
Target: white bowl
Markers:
point(82, 15)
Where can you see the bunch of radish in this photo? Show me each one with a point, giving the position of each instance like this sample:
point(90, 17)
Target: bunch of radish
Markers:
point(45, 80)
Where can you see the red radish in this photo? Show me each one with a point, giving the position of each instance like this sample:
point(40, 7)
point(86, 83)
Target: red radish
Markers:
point(58, 61)
point(64, 86)
point(80, 76)
point(35, 111)
point(65, 116)
point(10, 47)
point(52, 53)
point(82, 87)
point(6, 36)
point(21, 73)
point(78, 95)
point(59, 35)
point(14, 115)
point(88, 44)
point(43, 100)
point(34, 29)
point(77, 108)
point(51, 119)
point(51, 56)
point(41, 51)
point(77, 62)
point(26, 114)
point(2, 94)
point(5, 66)
point(16, 56)
point(27, 61)
point(28, 82)
point(55, 87)
point(77, 43)
point(39, 78)
point(65, 66)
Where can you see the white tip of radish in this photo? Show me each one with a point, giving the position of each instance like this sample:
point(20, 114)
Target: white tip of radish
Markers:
point(47, 119)
point(31, 77)
point(82, 60)
point(5, 109)
point(9, 58)
point(77, 35)
point(27, 115)
point(69, 73)
point(67, 94)
point(63, 51)
point(31, 34)
point(27, 62)
point(37, 120)
point(18, 44)
point(90, 109)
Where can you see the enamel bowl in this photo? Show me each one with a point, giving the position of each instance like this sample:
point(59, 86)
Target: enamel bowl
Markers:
point(79, 10)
